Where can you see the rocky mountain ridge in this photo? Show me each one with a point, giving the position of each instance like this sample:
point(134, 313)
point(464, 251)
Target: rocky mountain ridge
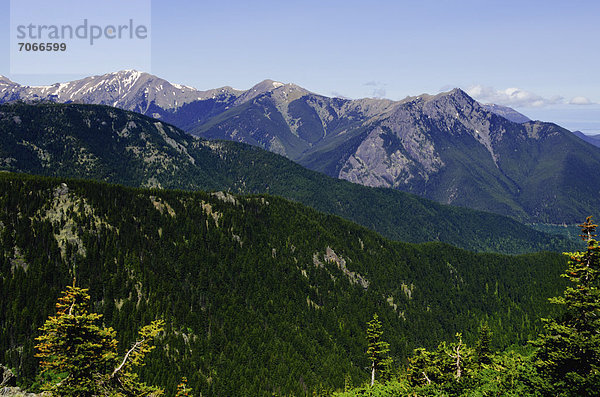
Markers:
point(109, 144)
point(445, 147)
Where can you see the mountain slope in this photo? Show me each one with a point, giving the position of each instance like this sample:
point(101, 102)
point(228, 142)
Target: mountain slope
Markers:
point(260, 295)
point(131, 90)
point(108, 144)
point(506, 112)
point(445, 147)
point(593, 139)
point(289, 120)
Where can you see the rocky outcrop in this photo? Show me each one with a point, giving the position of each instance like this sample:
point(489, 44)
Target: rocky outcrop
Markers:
point(8, 385)
point(17, 392)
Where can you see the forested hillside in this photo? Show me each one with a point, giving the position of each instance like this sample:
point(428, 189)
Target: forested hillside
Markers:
point(260, 295)
point(561, 361)
point(112, 145)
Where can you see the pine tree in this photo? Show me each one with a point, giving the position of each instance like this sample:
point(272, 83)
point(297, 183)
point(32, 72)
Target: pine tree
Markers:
point(78, 354)
point(482, 350)
point(378, 349)
point(568, 357)
point(74, 350)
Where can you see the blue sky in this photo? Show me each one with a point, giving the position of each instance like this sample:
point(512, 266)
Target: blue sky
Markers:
point(540, 57)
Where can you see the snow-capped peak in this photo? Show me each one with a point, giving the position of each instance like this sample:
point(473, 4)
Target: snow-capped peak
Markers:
point(127, 89)
point(139, 91)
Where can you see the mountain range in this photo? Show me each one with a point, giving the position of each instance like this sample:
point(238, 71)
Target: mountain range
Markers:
point(117, 146)
point(261, 294)
point(445, 147)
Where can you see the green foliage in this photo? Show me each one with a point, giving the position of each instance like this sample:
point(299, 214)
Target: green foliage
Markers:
point(569, 231)
point(77, 353)
point(393, 388)
point(482, 350)
point(123, 377)
point(183, 390)
point(508, 373)
point(377, 350)
point(451, 365)
point(569, 348)
point(74, 349)
point(563, 361)
point(254, 292)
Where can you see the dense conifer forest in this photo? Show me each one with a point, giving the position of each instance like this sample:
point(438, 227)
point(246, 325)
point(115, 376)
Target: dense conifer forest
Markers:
point(563, 360)
point(259, 295)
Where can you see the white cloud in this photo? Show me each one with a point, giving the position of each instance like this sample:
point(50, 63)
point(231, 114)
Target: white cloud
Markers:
point(515, 97)
point(336, 94)
point(378, 90)
point(580, 100)
point(379, 93)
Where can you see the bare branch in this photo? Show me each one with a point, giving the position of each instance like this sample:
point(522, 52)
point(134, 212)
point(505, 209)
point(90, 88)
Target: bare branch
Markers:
point(135, 346)
point(71, 308)
point(426, 378)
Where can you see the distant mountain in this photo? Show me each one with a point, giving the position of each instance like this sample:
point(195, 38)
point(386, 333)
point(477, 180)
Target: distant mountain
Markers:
point(446, 147)
point(291, 121)
point(109, 144)
point(131, 90)
point(125, 89)
point(260, 296)
point(506, 112)
point(593, 139)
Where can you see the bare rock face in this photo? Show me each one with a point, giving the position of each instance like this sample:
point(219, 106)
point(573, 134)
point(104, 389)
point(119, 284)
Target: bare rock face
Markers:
point(506, 112)
point(403, 149)
point(16, 392)
point(377, 163)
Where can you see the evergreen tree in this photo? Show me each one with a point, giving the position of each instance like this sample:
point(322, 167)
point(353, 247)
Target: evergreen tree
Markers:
point(74, 350)
point(569, 349)
point(482, 350)
point(378, 349)
point(77, 354)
